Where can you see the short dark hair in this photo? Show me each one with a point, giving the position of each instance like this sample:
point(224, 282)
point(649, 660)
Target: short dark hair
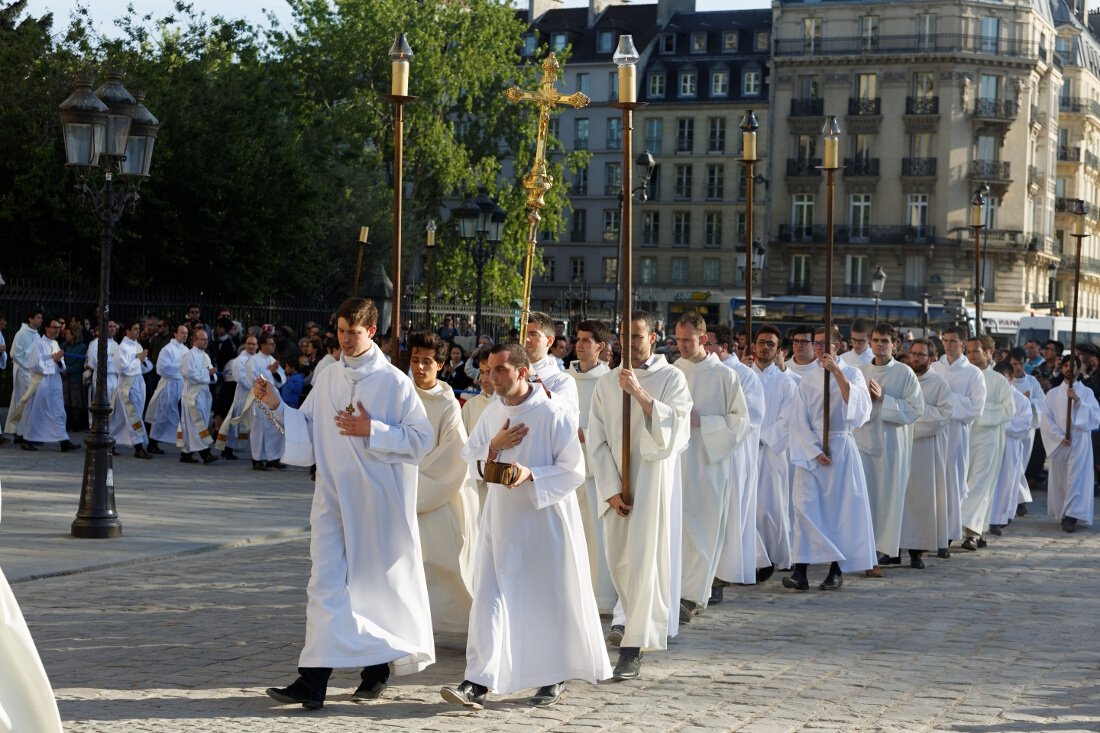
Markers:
point(645, 317)
point(986, 341)
point(883, 329)
point(331, 342)
point(264, 338)
point(430, 342)
point(1004, 367)
point(693, 319)
point(933, 352)
point(31, 313)
point(1058, 346)
point(955, 331)
point(835, 336)
point(802, 328)
point(769, 328)
point(723, 336)
point(517, 355)
point(543, 322)
point(1017, 352)
point(862, 325)
point(358, 312)
point(599, 330)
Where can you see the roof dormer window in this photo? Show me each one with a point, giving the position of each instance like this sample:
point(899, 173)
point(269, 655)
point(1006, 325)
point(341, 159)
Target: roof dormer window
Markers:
point(699, 42)
point(558, 41)
point(605, 42)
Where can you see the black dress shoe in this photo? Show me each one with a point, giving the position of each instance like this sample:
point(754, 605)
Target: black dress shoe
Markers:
point(368, 691)
point(688, 610)
point(229, 455)
point(468, 694)
point(797, 580)
point(27, 445)
point(970, 543)
point(547, 695)
point(276, 464)
point(187, 458)
point(154, 449)
point(629, 665)
point(762, 574)
point(833, 581)
point(995, 529)
point(981, 542)
point(1021, 510)
point(18, 439)
point(299, 692)
point(68, 445)
point(915, 560)
point(1069, 524)
point(615, 637)
point(943, 553)
point(207, 456)
point(259, 465)
point(892, 561)
point(716, 595)
point(140, 452)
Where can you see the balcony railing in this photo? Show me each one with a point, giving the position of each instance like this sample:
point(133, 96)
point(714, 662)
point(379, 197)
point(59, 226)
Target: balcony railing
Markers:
point(918, 166)
point(814, 234)
point(861, 166)
point(807, 107)
point(908, 44)
point(1064, 204)
point(1035, 176)
point(685, 144)
point(1069, 154)
point(803, 166)
point(798, 287)
point(991, 108)
point(890, 234)
point(993, 170)
point(922, 105)
point(1079, 105)
point(864, 105)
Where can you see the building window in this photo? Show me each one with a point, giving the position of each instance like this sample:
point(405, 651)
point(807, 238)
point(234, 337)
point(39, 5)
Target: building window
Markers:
point(924, 84)
point(716, 182)
point(655, 184)
point(926, 31)
point(750, 84)
point(580, 225)
point(859, 216)
point(610, 270)
point(580, 182)
point(699, 42)
point(802, 215)
point(856, 273)
point(681, 228)
point(580, 134)
point(683, 181)
point(867, 86)
point(915, 274)
point(711, 270)
point(557, 40)
point(667, 43)
point(920, 145)
point(712, 229)
point(649, 270)
point(605, 42)
point(654, 134)
point(685, 135)
point(800, 271)
point(687, 83)
point(811, 35)
point(614, 133)
point(576, 269)
point(720, 83)
point(612, 178)
point(729, 41)
point(868, 32)
point(656, 85)
point(584, 84)
point(991, 31)
point(548, 269)
point(651, 224)
point(807, 147)
point(742, 225)
point(613, 86)
point(916, 210)
point(554, 127)
point(610, 225)
point(530, 44)
point(762, 40)
point(679, 270)
point(716, 135)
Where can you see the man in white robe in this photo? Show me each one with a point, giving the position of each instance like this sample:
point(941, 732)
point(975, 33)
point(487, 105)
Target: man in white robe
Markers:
point(544, 365)
point(196, 401)
point(592, 337)
point(737, 561)
point(446, 501)
point(860, 353)
point(534, 621)
point(968, 386)
point(20, 352)
point(831, 516)
point(163, 412)
point(1018, 431)
point(471, 413)
point(1026, 383)
point(1070, 482)
point(238, 423)
point(638, 533)
point(265, 441)
point(40, 415)
point(773, 488)
point(802, 361)
point(368, 603)
point(924, 518)
point(91, 366)
point(131, 363)
point(885, 441)
point(719, 423)
point(987, 443)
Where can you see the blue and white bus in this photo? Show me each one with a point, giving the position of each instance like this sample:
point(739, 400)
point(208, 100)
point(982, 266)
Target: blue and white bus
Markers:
point(785, 311)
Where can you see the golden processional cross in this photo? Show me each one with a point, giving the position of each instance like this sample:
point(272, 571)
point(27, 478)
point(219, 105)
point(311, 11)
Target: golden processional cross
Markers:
point(538, 181)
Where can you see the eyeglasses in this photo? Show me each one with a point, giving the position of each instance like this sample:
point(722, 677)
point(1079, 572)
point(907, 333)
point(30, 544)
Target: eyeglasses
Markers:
point(917, 355)
point(769, 344)
point(820, 344)
point(859, 341)
point(801, 341)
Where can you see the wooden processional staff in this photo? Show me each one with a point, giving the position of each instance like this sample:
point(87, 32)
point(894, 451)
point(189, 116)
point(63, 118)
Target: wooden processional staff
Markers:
point(831, 133)
point(1079, 212)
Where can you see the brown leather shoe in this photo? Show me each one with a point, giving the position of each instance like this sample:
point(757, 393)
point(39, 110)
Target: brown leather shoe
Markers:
point(875, 572)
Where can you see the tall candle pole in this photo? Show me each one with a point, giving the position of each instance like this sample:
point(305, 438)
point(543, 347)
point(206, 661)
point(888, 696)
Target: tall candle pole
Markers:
point(400, 54)
point(1079, 233)
point(749, 126)
point(831, 133)
point(977, 223)
point(364, 232)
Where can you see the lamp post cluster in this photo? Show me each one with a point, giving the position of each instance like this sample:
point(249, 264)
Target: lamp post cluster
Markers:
point(481, 229)
point(107, 133)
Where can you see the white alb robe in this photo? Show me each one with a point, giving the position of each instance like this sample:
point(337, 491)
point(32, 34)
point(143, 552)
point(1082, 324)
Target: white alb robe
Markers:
point(163, 412)
point(831, 516)
point(968, 386)
point(1069, 483)
point(924, 520)
point(196, 401)
point(43, 414)
point(127, 425)
point(92, 364)
point(987, 450)
point(851, 358)
point(471, 412)
point(587, 495)
point(534, 620)
point(21, 347)
point(707, 471)
point(368, 603)
point(446, 511)
point(886, 448)
point(773, 488)
point(801, 370)
point(1035, 393)
point(639, 547)
point(238, 423)
point(1006, 490)
point(560, 384)
point(737, 560)
point(264, 440)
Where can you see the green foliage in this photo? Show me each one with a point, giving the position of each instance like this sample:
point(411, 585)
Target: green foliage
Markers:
point(276, 144)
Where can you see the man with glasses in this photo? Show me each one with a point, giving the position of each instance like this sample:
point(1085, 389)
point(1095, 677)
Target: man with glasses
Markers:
point(802, 359)
point(924, 518)
point(773, 487)
point(968, 386)
point(40, 413)
point(859, 354)
point(831, 517)
point(886, 441)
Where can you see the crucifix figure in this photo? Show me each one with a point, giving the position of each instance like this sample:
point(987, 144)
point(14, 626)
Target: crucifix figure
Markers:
point(538, 181)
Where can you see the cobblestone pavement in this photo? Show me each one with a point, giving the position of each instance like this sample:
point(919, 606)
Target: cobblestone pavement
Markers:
point(999, 640)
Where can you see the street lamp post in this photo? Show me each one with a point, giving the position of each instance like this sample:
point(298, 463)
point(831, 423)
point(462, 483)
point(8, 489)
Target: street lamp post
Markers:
point(878, 284)
point(430, 246)
point(749, 126)
point(977, 223)
point(400, 55)
point(107, 133)
point(481, 229)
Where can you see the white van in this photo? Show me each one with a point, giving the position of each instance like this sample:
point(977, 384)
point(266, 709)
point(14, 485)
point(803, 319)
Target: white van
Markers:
point(1057, 328)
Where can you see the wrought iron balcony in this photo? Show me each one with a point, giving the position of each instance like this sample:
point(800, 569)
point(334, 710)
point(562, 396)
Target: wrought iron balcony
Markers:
point(1035, 177)
point(922, 105)
point(888, 234)
point(1062, 204)
point(1079, 105)
point(1069, 154)
point(992, 108)
point(803, 167)
point(810, 234)
point(807, 107)
point(918, 166)
point(931, 43)
point(992, 170)
point(864, 105)
point(860, 166)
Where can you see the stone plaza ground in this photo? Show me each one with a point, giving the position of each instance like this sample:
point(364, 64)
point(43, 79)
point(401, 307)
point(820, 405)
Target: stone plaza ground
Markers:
point(182, 623)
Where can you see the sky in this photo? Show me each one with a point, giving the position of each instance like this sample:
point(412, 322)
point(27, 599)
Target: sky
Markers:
point(103, 12)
